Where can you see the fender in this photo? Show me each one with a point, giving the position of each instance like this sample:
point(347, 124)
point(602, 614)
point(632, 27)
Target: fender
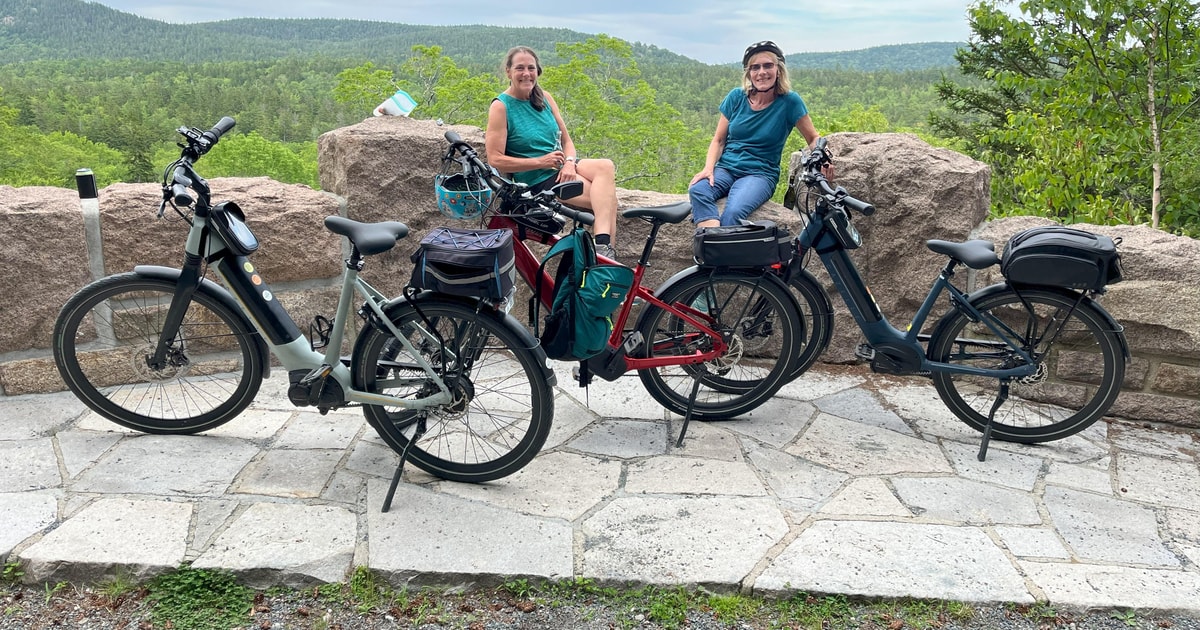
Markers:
point(507, 320)
point(697, 269)
point(1109, 320)
point(220, 294)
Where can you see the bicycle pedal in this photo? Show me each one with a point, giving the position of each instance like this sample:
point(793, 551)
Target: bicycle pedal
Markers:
point(864, 352)
point(320, 373)
point(632, 342)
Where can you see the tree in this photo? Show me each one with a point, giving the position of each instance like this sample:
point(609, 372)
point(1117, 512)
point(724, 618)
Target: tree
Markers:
point(1085, 101)
point(31, 158)
point(612, 112)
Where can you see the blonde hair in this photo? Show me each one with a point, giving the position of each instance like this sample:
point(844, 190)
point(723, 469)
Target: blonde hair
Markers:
point(536, 98)
point(783, 84)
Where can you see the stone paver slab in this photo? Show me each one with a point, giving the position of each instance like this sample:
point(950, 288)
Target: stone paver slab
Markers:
point(570, 418)
point(311, 430)
point(623, 438)
point(437, 538)
point(862, 450)
point(622, 398)
point(1159, 481)
point(40, 415)
point(866, 497)
point(818, 382)
point(1093, 477)
point(1173, 444)
point(895, 560)
point(804, 484)
point(280, 543)
point(1091, 586)
point(254, 424)
point(679, 540)
point(1000, 467)
point(28, 465)
point(559, 485)
point(23, 515)
point(298, 474)
point(780, 429)
point(1102, 529)
point(861, 406)
point(168, 465)
point(964, 501)
point(81, 448)
point(140, 538)
point(1032, 542)
point(690, 475)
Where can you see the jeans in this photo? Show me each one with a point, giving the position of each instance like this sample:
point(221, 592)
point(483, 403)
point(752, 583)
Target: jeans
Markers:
point(745, 194)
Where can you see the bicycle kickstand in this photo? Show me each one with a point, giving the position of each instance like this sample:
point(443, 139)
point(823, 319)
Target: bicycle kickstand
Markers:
point(987, 430)
point(687, 417)
point(387, 501)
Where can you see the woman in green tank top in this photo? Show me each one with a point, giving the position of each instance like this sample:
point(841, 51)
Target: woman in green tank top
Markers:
point(526, 137)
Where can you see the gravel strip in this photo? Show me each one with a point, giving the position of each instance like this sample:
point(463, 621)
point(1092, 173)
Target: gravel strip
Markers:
point(28, 608)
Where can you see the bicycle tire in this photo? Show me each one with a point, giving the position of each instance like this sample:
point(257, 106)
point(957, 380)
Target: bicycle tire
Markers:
point(503, 407)
point(105, 331)
point(1032, 413)
point(816, 320)
point(762, 350)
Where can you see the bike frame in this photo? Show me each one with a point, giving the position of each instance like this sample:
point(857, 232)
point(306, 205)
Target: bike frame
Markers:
point(528, 267)
point(818, 236)
point(275, 327)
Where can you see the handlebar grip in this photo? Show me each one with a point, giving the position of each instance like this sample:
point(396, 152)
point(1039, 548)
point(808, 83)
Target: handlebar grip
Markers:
point(585, 218)
point(181, 196)
point(859, 206)
point(221, 128)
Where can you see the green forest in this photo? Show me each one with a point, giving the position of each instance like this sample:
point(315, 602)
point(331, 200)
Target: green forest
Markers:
point(1084, 111)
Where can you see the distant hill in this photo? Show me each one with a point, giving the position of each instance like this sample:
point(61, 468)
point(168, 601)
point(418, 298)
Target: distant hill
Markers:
point(899, 57)
point(72, 29)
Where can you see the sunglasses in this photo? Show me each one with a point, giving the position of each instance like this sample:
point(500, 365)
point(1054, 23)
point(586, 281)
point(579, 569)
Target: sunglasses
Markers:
point(755, 67)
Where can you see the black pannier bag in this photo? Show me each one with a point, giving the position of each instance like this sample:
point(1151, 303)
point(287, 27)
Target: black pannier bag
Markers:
point(751, 244)
point(1062, 257)
point(477, 263)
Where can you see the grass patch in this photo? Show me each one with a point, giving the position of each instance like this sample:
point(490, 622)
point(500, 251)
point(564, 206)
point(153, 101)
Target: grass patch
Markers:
point(198, 599)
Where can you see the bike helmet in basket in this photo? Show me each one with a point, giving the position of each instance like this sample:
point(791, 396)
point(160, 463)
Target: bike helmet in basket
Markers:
point(461, 198)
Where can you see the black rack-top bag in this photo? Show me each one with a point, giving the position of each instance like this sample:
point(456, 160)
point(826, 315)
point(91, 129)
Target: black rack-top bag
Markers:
point(751, 244)
point(1059, 256)
point(477, 263)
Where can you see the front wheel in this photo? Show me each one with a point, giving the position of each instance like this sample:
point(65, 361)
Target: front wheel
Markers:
point(502, 401)
point(1079, 358)
point(816, 320)
point(757, 318)
point(105, 333)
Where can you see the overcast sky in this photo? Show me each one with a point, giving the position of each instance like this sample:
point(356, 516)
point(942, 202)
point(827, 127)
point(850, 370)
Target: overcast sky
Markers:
point(708, 30)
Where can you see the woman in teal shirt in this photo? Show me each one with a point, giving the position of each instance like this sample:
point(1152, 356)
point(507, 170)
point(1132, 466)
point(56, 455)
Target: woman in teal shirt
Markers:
point(526, 137)
point(743, 157)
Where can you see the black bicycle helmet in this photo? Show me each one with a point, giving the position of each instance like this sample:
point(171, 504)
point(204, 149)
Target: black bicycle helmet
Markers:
point(764, 46)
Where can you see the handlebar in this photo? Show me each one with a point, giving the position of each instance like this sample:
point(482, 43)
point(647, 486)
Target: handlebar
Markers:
point(178, 180)
point(817, 159)
point(515, 193)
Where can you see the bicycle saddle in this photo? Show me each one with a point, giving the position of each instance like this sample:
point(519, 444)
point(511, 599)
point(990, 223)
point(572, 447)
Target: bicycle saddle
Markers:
point(975, 253)
point(670, 213)
point(369, 238)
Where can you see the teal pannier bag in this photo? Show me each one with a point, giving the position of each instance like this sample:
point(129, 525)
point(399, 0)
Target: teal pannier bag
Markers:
point(586, 294)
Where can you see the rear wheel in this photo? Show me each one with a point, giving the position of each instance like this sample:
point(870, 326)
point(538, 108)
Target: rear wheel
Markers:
point(502, 404)
point(1079, 358)
point(105, 333)
point(756, 317)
